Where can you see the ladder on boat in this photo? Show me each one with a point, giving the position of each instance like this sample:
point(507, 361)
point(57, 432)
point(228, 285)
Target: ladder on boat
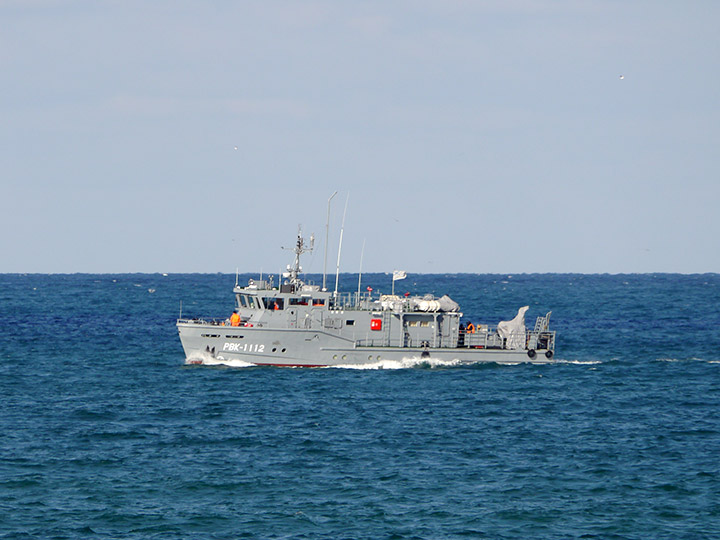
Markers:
point(542, 323)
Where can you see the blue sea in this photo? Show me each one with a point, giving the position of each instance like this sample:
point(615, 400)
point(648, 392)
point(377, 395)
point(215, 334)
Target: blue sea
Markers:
point(105, 432)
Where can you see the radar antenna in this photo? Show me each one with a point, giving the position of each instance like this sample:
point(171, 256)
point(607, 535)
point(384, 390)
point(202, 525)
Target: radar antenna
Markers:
point(300, 247)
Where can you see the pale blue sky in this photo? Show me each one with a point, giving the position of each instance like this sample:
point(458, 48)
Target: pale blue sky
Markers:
point(471, 136)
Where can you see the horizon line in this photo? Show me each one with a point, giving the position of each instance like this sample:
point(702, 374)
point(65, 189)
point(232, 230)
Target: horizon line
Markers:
point(167, 274)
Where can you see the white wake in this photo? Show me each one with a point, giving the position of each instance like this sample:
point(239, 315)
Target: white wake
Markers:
point(206, 359)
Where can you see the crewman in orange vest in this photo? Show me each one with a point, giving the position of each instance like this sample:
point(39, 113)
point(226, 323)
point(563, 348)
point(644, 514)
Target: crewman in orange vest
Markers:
point(235, 318)
point(470, 328)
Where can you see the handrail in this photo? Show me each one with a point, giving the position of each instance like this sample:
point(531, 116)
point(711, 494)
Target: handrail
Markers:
point(214, 321)
point(203, 320)
point(490, 339)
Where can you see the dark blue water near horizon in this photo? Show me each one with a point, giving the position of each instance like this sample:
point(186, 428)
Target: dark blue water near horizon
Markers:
point(106, 433)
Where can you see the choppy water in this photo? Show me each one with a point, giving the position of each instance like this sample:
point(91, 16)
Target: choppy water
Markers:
point(105, 433)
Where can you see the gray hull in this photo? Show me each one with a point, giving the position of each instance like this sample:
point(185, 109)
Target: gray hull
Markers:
point(212, 344)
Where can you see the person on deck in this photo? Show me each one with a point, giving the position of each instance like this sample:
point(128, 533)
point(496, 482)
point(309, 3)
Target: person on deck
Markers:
point(235, 318)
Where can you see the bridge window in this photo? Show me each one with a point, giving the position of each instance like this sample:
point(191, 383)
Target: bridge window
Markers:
point(275, 304)
point(247, 301)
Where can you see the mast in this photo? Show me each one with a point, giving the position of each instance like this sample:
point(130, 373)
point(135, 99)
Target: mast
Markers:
point(337, 269)
point(327, 236)
point(294, 271)
point(362, 252)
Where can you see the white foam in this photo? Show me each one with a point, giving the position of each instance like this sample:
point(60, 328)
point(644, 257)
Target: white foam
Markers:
point(206, 359)
point(692, 359)
point(405, 363)
point(579, 362)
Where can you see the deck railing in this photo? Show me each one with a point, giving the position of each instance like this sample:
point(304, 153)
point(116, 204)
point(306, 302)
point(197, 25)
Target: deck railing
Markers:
point(213, 321)
point(205, 320)
point(351, 301)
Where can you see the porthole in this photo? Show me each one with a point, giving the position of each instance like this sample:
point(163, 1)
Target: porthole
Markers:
point(344, 356)
point(334, 356)
point(283, 350)
point(274, 349)
point(370, 357)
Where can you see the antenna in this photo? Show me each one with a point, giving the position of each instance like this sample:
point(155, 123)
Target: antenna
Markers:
point(362, 252)
point(300, 248)
point(327, 235)
point(342, 229)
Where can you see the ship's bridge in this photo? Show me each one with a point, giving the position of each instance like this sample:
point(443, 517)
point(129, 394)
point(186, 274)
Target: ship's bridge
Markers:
point(261, 295)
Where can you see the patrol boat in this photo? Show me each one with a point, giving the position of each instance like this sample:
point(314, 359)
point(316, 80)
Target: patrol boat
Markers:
point(303, 325)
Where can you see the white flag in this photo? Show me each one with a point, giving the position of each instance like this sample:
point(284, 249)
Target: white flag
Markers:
point(399, 274)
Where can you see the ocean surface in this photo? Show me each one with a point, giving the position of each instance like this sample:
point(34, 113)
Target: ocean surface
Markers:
point(105, 432)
